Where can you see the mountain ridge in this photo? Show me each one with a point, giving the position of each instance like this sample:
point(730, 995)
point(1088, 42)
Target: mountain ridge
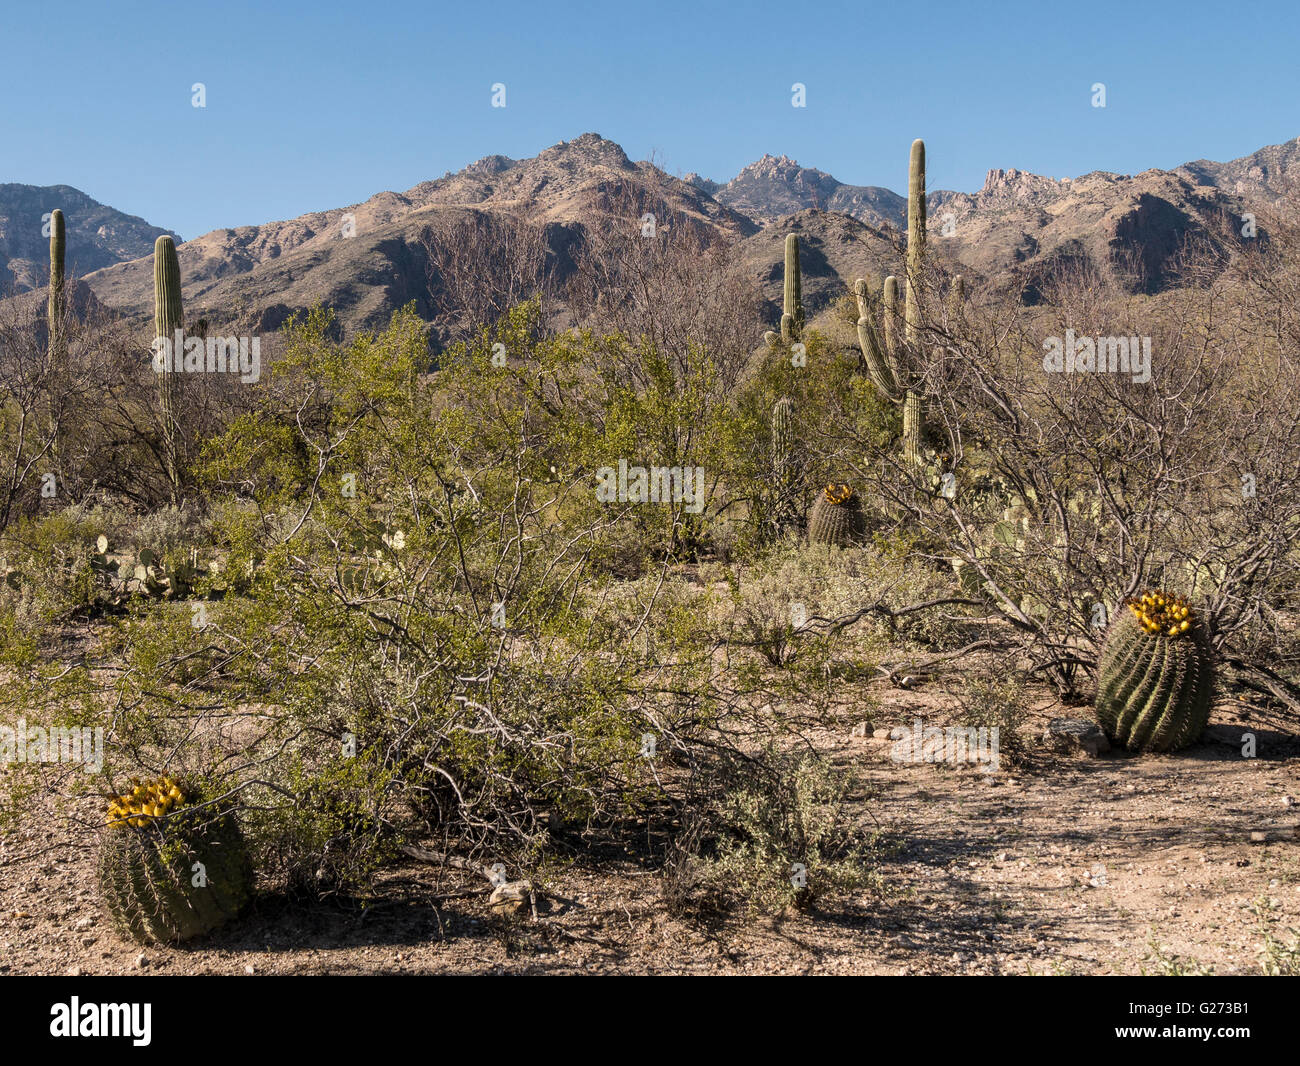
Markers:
point(1015, 228)
point(97, 235)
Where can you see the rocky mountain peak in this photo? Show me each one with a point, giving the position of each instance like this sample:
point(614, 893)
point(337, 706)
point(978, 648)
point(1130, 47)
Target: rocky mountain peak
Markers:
point(590, 149)
point(1016, 185)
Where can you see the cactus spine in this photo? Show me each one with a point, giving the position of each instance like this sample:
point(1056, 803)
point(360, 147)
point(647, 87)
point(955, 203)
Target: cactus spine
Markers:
point(1155, 675)
point(167, 319)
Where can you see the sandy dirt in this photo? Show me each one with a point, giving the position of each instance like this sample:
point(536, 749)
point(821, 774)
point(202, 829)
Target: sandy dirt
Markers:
point(1065, 864)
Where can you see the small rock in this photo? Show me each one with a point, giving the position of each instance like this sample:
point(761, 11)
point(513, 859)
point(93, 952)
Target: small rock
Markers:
point(141, 961)
point(74, 971)
point(1288, 801)
point(87, 941)
point(1258, 836)
point(507, 898)
point(882, 733)
point(249, 969)
point(1073, 734)
point(84, 923)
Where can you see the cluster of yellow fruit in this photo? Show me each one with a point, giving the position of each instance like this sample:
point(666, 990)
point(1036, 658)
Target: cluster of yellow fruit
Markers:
point(1162, 612)
point(839, 494)
point(146, 800)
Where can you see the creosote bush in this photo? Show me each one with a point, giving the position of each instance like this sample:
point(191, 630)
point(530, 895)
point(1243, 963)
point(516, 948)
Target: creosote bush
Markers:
point(776, 835)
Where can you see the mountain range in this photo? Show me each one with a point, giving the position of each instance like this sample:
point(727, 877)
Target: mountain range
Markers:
point(367, 259)
point(97, 235)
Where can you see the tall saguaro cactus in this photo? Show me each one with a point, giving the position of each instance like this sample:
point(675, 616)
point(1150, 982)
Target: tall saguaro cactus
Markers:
point(793, 289)
point(792, 318)
point(55, 316)
point(783, 434)
point(888, 370)
point(913, 404)
point(167, 320)
point(58, 249)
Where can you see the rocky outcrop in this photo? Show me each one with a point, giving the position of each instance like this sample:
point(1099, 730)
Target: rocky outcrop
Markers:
point(776, 186)
point(97, 235)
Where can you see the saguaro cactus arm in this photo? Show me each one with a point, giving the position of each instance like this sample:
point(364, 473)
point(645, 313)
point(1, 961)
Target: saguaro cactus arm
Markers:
point(879, 367)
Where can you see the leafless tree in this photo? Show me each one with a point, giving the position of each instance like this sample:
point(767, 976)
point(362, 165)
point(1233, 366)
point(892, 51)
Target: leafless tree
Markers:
point(483, 263)
point(1057, 495)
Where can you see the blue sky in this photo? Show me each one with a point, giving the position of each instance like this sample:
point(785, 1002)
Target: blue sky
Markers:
point(322, 104)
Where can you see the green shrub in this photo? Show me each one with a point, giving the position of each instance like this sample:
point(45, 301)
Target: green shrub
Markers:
point(778, 836)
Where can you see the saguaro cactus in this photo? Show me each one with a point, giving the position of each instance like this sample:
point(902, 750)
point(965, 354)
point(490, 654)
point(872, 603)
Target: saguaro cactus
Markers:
point(1155, 674)
point(888, 370)
point(58, 247)
point(793, 288)
point(792, 322)
point(783, 459)
point(915, 239)
point(55, 316)
point(792, 317)
point(913, 404)
point(783, 434)
point(167, 320)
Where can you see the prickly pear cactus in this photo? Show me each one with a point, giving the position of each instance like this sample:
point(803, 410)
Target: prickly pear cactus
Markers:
point(170, 869)
point(1155, 675)
point(836, 518)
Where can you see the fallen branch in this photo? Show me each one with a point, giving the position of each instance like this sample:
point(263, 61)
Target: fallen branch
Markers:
point(439, 858)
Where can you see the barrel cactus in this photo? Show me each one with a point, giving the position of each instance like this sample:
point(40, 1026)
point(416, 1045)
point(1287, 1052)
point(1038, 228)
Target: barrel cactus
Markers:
point(1155, 675)
point(171, 868)
point(837, 517)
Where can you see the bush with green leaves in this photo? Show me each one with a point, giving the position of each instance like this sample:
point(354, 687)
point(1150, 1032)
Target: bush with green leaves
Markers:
point(431, 640)
point(997, 701)
point(776, 835)
point(46, 570)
